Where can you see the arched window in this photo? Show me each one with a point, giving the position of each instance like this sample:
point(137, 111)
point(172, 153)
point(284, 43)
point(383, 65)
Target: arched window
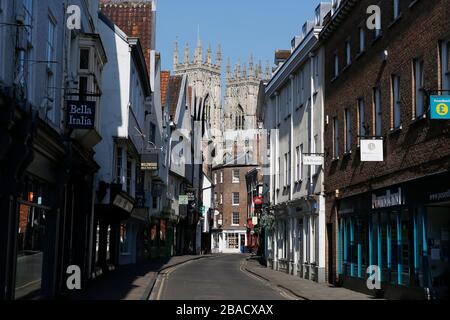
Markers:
point(239, 118)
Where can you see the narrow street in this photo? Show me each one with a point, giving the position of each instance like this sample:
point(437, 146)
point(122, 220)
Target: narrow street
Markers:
point(218, 278)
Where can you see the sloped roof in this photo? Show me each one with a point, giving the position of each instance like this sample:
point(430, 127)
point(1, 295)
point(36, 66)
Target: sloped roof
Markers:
point(134, 18)
point(165, 75)
point(174, 94)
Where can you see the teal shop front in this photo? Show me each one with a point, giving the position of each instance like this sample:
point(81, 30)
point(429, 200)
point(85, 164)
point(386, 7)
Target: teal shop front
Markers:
point(403, 230)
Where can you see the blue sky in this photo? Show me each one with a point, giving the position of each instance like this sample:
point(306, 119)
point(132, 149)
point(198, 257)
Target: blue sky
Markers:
point(242, 27)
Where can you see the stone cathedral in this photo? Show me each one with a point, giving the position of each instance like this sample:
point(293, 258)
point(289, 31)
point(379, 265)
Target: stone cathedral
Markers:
point(240, 98)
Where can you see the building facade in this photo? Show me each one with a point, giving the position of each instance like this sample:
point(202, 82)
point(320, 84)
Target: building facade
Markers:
point(47, 164)
point(394, 213)
point(293, 112)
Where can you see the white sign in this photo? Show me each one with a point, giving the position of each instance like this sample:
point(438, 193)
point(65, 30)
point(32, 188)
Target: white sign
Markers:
point(255, 221)
point(313, 160)
point(183, 199)
point(372, 150)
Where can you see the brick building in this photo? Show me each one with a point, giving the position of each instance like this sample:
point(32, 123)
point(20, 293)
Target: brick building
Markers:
point(137, 18)
point(230, 193)
point(393, 214)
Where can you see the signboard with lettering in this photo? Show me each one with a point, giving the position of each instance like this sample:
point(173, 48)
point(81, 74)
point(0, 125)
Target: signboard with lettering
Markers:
point(372, 150)
point(312, 160)
point(123, 203)
point(258, 200)
point(80, 114)
point(440, 107)
point(255, 221)
point(149, 162)
point(389, 199)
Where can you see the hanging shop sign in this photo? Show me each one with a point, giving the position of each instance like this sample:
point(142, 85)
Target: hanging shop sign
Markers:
point(255, 221)
point(190, 195)
point(258, 200)
point(313, 160)
point(440, 107)
point(80, 114)
point(183, 199)
point(123, 203)
point(389, 199)
point(149, 162)
point(372, 150)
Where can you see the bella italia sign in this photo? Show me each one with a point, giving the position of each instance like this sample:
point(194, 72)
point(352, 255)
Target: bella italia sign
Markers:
point(80, 114)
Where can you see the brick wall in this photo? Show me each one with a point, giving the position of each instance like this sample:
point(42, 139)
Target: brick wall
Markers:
point(421, 147)
point(227, 188)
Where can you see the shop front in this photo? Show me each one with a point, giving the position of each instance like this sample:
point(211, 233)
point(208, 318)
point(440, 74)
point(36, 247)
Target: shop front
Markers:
point(403, 231)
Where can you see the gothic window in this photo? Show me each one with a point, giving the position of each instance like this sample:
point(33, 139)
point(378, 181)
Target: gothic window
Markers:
point(239, 119)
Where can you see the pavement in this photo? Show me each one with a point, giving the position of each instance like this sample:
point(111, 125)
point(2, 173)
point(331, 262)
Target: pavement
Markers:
point(130, 282)
point(302, 288)
point(218, 278)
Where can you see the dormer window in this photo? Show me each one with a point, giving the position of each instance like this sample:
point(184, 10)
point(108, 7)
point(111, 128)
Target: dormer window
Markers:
point(317, 17)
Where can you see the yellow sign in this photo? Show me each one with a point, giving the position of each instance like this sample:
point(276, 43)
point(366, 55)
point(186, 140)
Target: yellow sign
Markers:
point(442, 109)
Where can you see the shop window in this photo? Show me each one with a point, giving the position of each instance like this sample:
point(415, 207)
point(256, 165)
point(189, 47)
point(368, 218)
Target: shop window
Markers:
point(31, 249)
point(124, 239)
point(163, 232)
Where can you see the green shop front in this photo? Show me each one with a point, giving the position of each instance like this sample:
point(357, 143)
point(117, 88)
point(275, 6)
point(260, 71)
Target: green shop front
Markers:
point(402, 230)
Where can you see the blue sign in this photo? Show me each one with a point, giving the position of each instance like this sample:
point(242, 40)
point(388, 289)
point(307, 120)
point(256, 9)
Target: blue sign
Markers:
point(440, 107)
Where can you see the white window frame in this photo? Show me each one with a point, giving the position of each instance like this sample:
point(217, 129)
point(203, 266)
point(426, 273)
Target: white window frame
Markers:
point(233, 199)
point(285, 170)
point(233, 214)
point(215, 178)
point(221, 198)
point(277, 181)
point(233, 178)
point(297, 164)
point(419, 95)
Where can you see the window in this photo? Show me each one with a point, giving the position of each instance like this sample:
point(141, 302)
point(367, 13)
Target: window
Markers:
point(362, 39)
point(317, 16)
point(316, 73)
point(84, 59)
point(348, 136)
point(277, 172)
point(302, 88)
point(236, 178)
point(124, 243)
point(396, 4)
point(361, 118)
point(289, 168)
point(215, 178)
point(285, 170)
point(51, 90)
point(129, 170)
point(119, 152)
point(152, 133)
point(216, 199)
point(235, 198)
point(336, 64)
point(221, 176)
point(336, 138)
point(419, 100)
point(298, 161)
point(377, 111)
point(221, 198)
point(235, 219)
point(239, 119)
point(51, 42)
point(155, 202)
point(348, 53)
point(395, 111)
point(445, 65)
